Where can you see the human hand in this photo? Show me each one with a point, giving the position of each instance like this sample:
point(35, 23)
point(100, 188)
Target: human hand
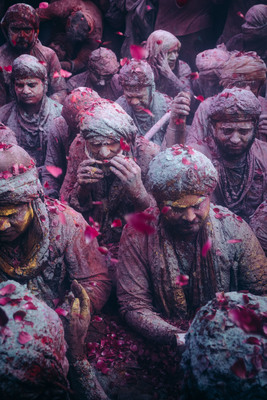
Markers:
point(163, 65)
point(263, 126)
point(88, 172)
point(78, 321)
point(180, 106)
point(129, 173)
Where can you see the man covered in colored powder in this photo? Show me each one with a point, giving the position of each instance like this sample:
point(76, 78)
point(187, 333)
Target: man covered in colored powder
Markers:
point(42, 242)
point(101, 75)
point(33, 348)
point(238, 156)
point(20, 25)
point(189, 253)
point(31, 114)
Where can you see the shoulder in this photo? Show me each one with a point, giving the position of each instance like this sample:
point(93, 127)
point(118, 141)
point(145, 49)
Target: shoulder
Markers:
point(47, 52)
point(6, 110)
point(61, 214)
point(259, 150)
point(54, 106)
point(184, 68)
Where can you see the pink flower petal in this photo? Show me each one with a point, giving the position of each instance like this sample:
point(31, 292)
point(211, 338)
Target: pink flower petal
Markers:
point(96, 318)
point(90, 233)
point(97, 203)
point(4, 301)
point(3, 318)
point(165, 209)
point(116, 223)
point(137, 52)
point(19, 316)
point(61, 311)
point(234, 241)
point(239, 368)
point(56, 75)
point(65, 74)
point(54, 171)
point(182, 280)
point(103, 250)
point(8, 289)
point(24, 337)
point(148, 8)
point(185, 161)
point(124, 145)
point(29, 306)
point(199, 98)
point(43, 5)
point(119, 33)
point(253, 340)
point(124, 61)
point(141, 222)
point(179, 121)
point(246, 319)
point(146, 110)
point(194, 76)
point(206, 248)
point(8, 68)
point(239, 13)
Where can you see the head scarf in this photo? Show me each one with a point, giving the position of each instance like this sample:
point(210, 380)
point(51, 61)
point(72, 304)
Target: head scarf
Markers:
point(160, 41)
point(20, 13)
point(235, 104)
point(27, 66)
point(79, 99)
point(137, 73)
point(32, 351)
point(210, 62)
point(107, 119)
point(20, 184)
point(256, 22)
point(104, 61)
point(181, 171)
point(243, 67)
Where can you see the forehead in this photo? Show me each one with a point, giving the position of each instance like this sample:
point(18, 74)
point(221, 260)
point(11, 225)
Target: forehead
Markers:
point(101, 140)
point(10, 209)
point(173, 48)
point(139, 90)
point(28, 80)
point(20, 25)
point(235, 124)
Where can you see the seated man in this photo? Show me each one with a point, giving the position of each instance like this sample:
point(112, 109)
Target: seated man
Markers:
point(33, 349)
point(102, 180)
point(143, 103)
point(42, 242)
point(31, 114)
point(247, 71)
point(63, 131)
point(20, 25)
point(101, 75)
point(190, 244)
point(240, 159)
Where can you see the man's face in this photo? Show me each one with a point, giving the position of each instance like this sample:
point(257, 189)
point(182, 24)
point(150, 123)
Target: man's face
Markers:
point(186, 215)
point(138, 98)
point(172, 56)
point(254, 86)
point(234, 138)
point(29, 90)
point(103, 148)
point(77, 28)
point(100, 78)
point(21, 35)
point(14, 220)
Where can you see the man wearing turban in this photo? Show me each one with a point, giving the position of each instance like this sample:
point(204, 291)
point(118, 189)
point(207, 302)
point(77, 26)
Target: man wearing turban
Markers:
point(42, 242)
point(190, 252)
point(31, 114)
point(20, 26)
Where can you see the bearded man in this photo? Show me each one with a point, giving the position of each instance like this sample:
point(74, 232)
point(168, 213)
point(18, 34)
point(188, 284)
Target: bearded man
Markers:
point(189, 253)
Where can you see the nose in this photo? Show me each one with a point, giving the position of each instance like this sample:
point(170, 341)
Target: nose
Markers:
point(134, 101)
point(26, 89)
point(104, 152)
point(235, 138)
point(4, 224)
point(189, 214)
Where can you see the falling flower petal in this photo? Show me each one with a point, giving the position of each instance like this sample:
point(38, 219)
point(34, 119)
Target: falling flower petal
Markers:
point(239, 368)
point(234, 241)
point(116, 223)
point(24, 337)
point(90, 233)
point(114, 260)
point(61, 311)
point(141, 222)
point(148, 8)
point(96, 318)
point(103, 250)
point(43, 5)
point(199, 98)
point(119, 33)
point(182, 280)
point(46, 185)
point(54, 171)
point(239, 13)
point(185, 161)
point(137, 52)
point(146, 110)
point(194, 76)
point(8, 289)
point(3, 317)
point(97, 203)
point(165, 209)
point(29, 306)
point(124, 61)
point(65, 74)
point(8, 68)
point(19, 316)
point(206, 248)
point(124, 145)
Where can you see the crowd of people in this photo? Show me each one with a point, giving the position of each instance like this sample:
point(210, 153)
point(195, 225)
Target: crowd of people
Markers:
point(133, 185)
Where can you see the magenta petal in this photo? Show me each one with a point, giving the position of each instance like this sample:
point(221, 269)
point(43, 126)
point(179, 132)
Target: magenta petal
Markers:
point(253, 340)
point(182, 280)
point(137, 52)
point(116, 223)
point(206, 248)
point(29, 306)
point(24, 337)
point(246, 319)
point(239, 368)
point(61, 311)
point(90, 233)
point(54, 171)
point(8, 289)
point(4, 301)
point(19, 316)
